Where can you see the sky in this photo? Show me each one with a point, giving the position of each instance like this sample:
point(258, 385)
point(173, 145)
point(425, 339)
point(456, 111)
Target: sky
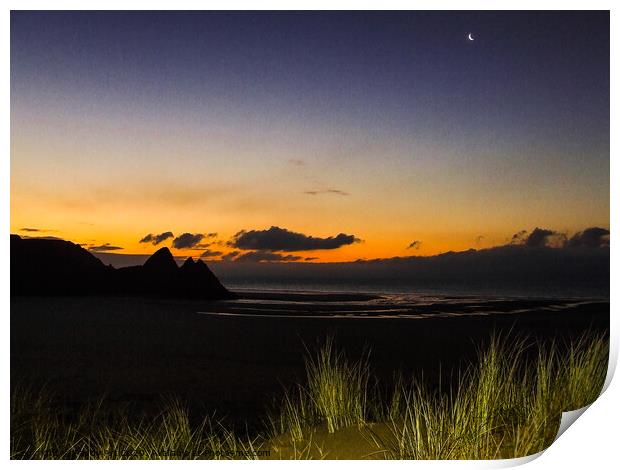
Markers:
point(307, 136)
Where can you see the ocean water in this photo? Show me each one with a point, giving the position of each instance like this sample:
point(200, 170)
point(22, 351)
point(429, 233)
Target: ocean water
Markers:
point(374, 300)
point(395, 288)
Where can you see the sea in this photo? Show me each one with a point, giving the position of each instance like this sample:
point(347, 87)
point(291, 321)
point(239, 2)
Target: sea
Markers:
point(394, 288)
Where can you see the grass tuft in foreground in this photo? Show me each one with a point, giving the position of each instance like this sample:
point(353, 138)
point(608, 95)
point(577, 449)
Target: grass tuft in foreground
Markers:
point(506, 404)
point(38, 432)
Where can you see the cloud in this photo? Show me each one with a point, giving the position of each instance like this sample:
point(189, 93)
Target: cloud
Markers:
point(156, 239)
point(545, 237)
point(211, 254)
point(269, 256)
point(280, 239)
point(518, 238)
point(44, 237)
point(36, 230)
point(230, 256)
point(104, 247)
point(201, 246)
point(310, 258)
point(187, 240)
point(296, 161)
point(211, 235)
point(479, 239)
point(337, 192)
point(415, 245)
point(538, 237)
point(593, 237)
point(497, 269)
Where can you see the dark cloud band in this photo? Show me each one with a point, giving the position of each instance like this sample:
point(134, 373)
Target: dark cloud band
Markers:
point(280, 239)
point(265, 256)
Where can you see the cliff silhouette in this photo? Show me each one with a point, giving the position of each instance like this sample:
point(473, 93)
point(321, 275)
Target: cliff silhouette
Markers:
point(57, 267)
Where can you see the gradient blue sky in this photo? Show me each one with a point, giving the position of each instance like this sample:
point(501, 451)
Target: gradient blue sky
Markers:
point(126, 123)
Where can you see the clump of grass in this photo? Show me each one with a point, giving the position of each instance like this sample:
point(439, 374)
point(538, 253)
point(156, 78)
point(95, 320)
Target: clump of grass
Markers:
point(336, 395)
point(583, 371)
point(38, 431)
point(422, 428)
point(338, 388)
point(505, 406)
point(294, 415)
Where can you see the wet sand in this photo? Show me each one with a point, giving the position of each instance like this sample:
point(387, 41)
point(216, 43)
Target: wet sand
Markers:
point(236, 357)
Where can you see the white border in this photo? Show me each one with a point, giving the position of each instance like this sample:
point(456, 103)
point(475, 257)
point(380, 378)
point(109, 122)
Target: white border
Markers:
point(592, 442)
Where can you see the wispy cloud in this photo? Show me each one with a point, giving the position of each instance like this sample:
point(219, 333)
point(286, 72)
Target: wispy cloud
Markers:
point(104, 247)
point(211, 254)
point(415, 245)
point(336, 192)
point(230, 256)
point(31, 229)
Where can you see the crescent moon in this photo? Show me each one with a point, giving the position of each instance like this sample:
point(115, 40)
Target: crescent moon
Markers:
point(470, 37)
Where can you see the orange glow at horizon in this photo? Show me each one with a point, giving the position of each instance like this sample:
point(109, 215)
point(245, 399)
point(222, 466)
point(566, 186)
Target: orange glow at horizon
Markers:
point(387, 210)
point(203, 122)
point(125, 227)
point(95, 192)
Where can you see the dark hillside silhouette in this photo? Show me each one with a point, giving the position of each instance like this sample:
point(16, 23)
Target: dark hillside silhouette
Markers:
point(58, 267)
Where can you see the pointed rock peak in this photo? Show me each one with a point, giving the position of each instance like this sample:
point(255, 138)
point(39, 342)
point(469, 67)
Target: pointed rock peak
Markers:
point(161, 253)
point(161, 259)
point(202, 266)
point(188, 262)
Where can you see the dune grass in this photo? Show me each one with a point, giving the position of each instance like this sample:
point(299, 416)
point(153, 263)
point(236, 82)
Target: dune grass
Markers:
point(38, 432)
point(506, 404)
